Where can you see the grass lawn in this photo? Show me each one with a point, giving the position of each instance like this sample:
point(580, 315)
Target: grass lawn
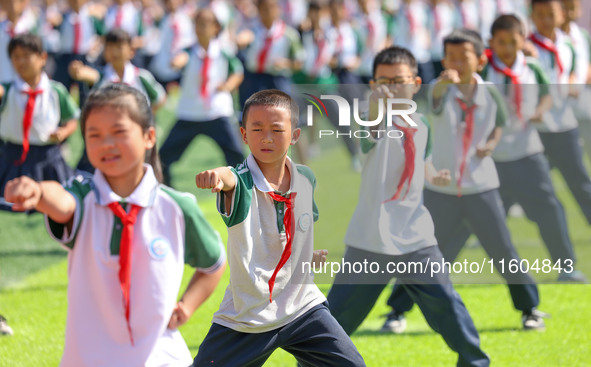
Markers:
point(33, 283)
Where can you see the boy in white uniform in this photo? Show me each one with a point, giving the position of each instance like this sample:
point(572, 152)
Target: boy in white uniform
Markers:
point(581, 42)
point(468, 116)
point(559, 130)
point(267, 202)
point(391, 225)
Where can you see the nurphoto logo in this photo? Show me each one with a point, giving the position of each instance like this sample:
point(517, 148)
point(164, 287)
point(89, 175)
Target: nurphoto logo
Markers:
point(388, 109)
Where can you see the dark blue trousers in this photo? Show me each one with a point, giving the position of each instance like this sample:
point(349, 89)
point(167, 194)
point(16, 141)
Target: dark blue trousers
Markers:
point(255, 82)
point(351, 299)
point(484, 215)
point(182, 134)
point(527, 182)
point(63, 76)
point(315, 339)
point(564, 152)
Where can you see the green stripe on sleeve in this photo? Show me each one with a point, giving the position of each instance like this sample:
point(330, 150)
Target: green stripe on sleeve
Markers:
point(241, 197)
point(306, 171)
point(203, 247)
point(68, 108)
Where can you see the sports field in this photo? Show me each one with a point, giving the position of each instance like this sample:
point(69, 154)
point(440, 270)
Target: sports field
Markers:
point(33, 282)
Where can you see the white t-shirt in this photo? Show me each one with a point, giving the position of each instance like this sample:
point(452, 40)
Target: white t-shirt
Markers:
point(170, 231)
point(256, 240)
point(447, 129)
point(392, 227)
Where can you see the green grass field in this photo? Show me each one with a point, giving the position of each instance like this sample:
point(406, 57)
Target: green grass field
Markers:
point(33, 283)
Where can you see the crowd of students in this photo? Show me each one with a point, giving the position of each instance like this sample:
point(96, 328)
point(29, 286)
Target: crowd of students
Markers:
point(497, 118)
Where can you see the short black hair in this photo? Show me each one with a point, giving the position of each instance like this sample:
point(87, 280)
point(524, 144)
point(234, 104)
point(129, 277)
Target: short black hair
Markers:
point(272, 98)
point(534, 2)
point(395, 55)
point(117, 36)
point(27, 41)
point(508, 22)
point(464, 35)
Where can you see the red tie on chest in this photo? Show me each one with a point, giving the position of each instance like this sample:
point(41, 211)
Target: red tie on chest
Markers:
point(511, 75)
point(28, 121)
point(125, 254)
point(288, 225)
point(409, 161)
point(550, 47)
point(466, 139)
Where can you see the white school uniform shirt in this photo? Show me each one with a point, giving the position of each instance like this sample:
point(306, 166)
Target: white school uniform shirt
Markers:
point(53, 108)
point(372, 32)
point(177, 34)
point(50, 35)
point(256, 240)
point(88, 31)
point(580, 40)
point(346, 44)
point(26, 23)
point(317, 61)
point(444, 19)
point(447, 127)
point(192, 106)
point(294, 12)
point(411, 30)
point(286, 44)
point(170, 231)
point(520, 138)
point(130, 19)
point(561, 117)
point(392, 227)
point(468, 15)
point(140, 79)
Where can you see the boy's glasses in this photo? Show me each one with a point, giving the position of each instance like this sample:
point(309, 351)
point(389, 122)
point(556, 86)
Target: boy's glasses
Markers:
point(397, 80)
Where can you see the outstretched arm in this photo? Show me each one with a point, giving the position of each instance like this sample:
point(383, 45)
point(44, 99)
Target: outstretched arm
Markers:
point(218, 179)
point(48, 197)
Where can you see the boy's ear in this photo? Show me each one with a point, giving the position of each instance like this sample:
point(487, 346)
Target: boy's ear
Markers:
point(418, 83)
point(243, 135)
point(372, 84)
point(295, 135)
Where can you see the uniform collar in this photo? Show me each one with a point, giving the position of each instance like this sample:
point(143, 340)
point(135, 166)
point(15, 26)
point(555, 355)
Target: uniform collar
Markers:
point(479, 94)
point(129, 73)
point(260, 181)
point(518, 65)
point(143, 195)
point(559, 38)
point(213, 49)
point(22, 86)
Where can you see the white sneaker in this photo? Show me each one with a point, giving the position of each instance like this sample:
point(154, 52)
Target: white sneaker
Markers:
point(4, 328)
point(395, 323)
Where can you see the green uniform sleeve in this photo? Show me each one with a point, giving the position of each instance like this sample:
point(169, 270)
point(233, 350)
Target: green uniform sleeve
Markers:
point(154, 90)
point(574, 56)
point(306, 171)
point(99, 26)
point(203, 247)
point(428, 146)
point(6, 87)
point(234, 64)
point(68, 108)
point(78, 186)
point(296, 50)
point(502, 114)
point(542, 79)
point(241, 197)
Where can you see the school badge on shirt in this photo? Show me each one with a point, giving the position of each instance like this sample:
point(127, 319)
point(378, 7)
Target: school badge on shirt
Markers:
point(159, 248)
point(305, 221)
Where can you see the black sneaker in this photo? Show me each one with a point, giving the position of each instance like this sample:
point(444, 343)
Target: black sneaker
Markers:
point(395, 323)
point(4, 328)
point(534, 320)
